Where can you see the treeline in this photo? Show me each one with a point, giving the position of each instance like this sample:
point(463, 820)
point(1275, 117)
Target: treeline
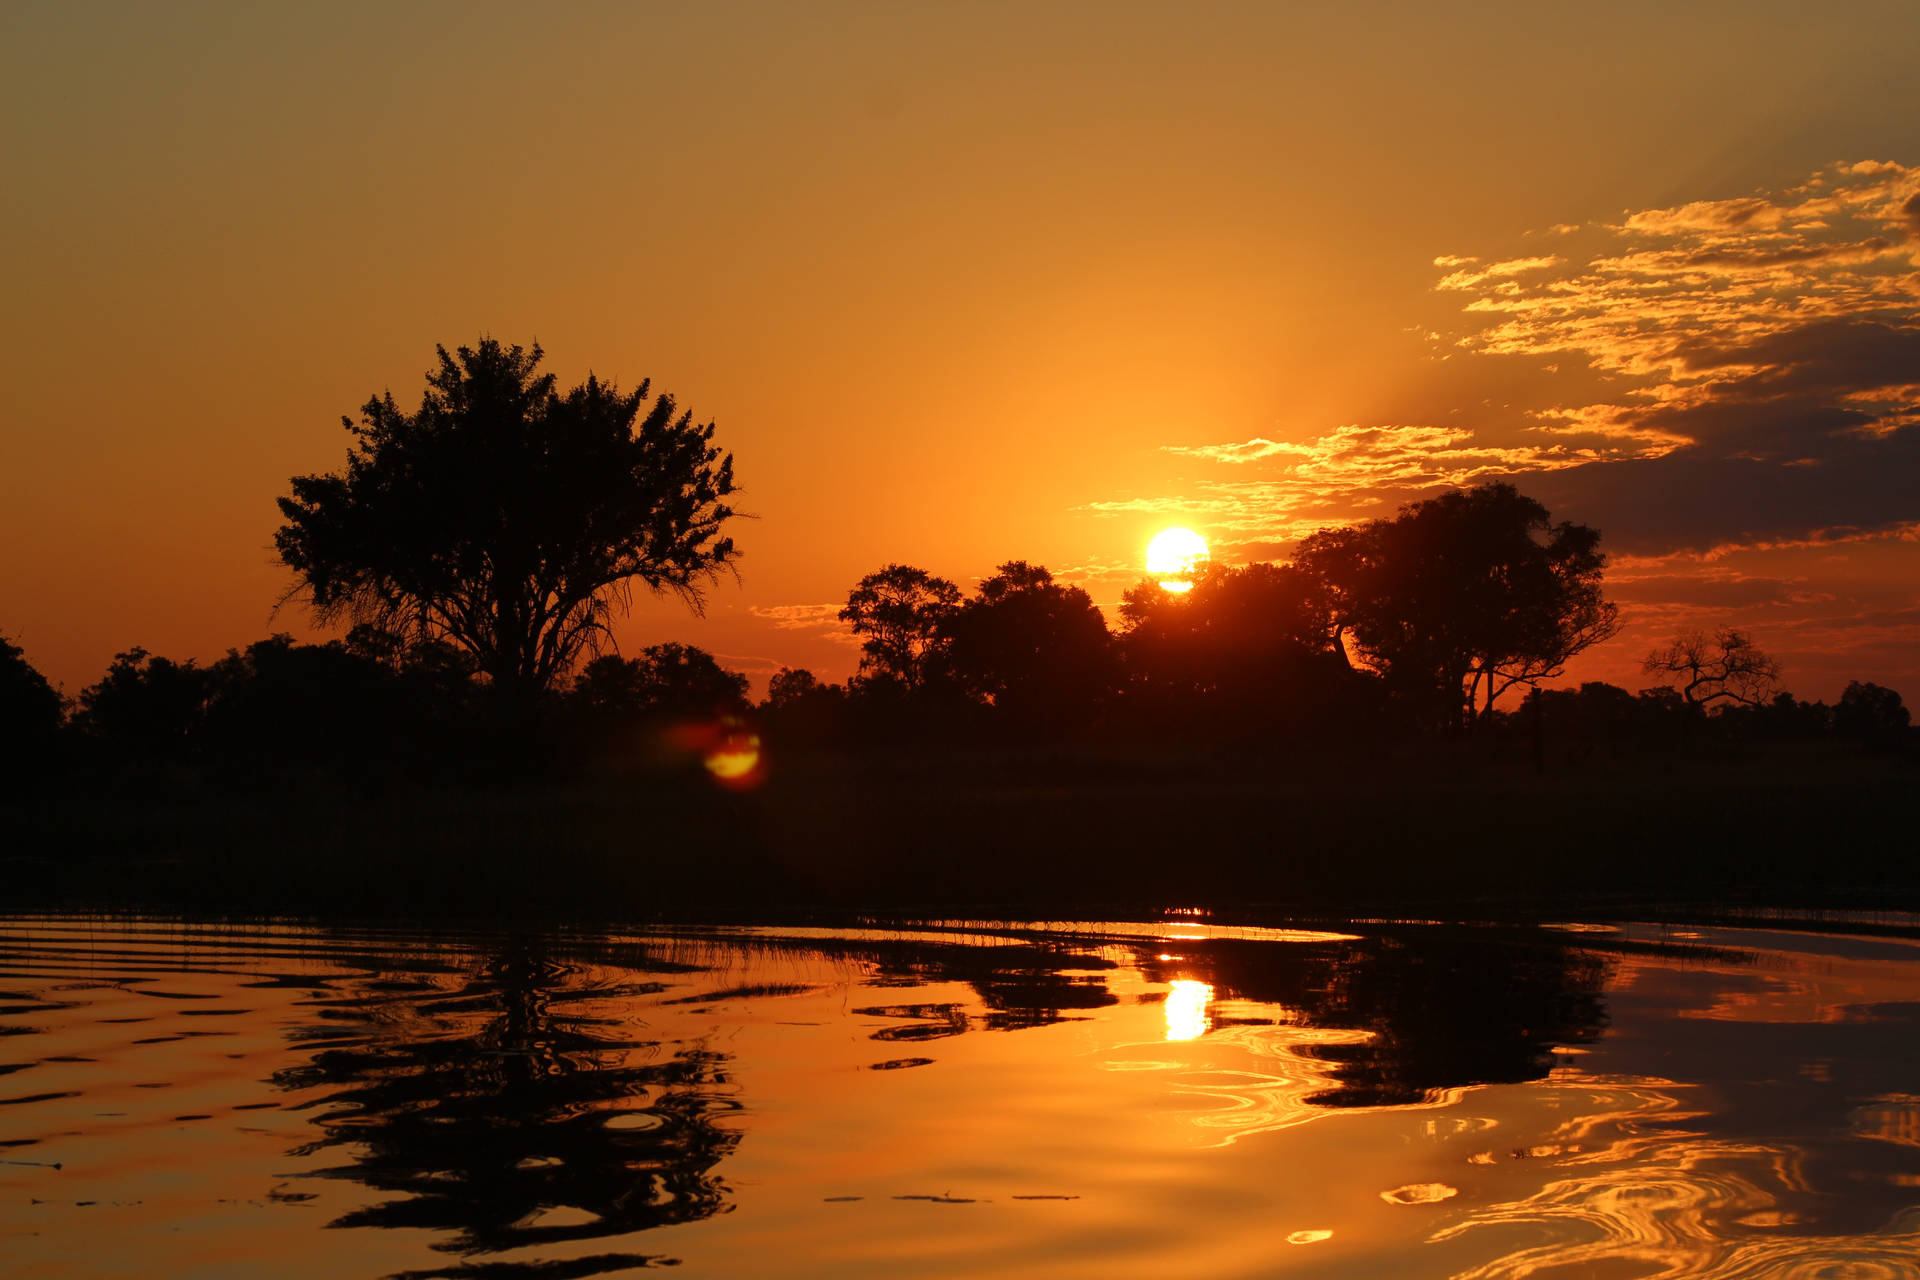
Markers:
point(1400, 629)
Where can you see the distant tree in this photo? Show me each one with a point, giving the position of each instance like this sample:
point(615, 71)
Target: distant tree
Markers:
point(30, 714)
point(146, 705)
point(900, 612)
point(800, 708)
point(1037, 650)
point(1784, 717)
point(1459, 598)
point(1705, 670)
point(791, 687)
point(666, 679)
point(1872, 715)
point(364, 706)
point(507, 518)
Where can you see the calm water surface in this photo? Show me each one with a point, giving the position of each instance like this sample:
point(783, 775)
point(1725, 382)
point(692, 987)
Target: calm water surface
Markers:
point(1173, 1099)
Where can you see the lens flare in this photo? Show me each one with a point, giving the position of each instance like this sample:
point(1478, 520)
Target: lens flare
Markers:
point(735, 759)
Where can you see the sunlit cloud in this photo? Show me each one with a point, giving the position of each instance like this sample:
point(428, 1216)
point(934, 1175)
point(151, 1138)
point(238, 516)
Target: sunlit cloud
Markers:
point(1494, 273)
point(821, 619)
point(1712, 275)
point(797, 617)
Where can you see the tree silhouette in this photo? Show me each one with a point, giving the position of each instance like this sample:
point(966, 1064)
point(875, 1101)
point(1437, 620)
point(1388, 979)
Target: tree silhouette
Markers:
point(900, 611)
point(789, 687)
point(507, 518)
point(1706, 670)
point(1872, 715)
point(30, 713)
point(1035, 649)
point(1459, 598)
point(146, 705)
point(1254, 637)
point(666, 679)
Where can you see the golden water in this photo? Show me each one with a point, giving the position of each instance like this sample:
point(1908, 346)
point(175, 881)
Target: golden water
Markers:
point(1167, 1099)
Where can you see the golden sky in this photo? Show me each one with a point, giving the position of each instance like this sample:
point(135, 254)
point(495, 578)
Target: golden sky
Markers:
point(967, 283)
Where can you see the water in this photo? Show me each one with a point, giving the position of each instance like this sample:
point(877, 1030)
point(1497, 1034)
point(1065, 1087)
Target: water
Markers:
point(197, 1099)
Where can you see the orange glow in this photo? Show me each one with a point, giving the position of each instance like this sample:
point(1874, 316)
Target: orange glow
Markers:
point(1174, 556)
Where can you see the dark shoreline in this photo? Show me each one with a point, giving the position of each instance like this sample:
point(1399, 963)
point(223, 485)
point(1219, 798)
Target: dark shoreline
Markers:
point(1073, 833)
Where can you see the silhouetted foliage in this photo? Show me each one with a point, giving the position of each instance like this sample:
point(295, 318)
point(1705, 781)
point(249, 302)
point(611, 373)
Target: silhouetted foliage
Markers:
point(507, 518)
point(665, 680)
point(146, 706)
point(1600, 716)
point(1706, 670)
point(368, 707)
point(801, 710)
point(1037, 651)
point(1461, 597)
point(900, 612)
point(30, 715)
point(1873, 716)
point(1246, 650)
point(789, 688)
point(1783, 718)
point(287, 702)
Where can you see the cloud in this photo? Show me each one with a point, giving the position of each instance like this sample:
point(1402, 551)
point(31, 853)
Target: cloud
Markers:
point(752, 665)
point(1838, 246)
point(1496, 272)
point(799, 617)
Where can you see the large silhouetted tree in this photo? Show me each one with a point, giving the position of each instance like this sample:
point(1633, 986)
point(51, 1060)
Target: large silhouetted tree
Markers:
point(899, 613)
point(1459, 598)
point(509, 518)
point(1709, 669)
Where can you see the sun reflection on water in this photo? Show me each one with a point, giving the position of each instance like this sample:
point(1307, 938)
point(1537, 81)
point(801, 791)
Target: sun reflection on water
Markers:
point(1187, 1003)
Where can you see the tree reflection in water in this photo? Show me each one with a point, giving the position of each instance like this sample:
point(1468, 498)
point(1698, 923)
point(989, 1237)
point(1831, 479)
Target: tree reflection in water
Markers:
point(516, 1111)
point(1443, 1008)
point(510, 1107)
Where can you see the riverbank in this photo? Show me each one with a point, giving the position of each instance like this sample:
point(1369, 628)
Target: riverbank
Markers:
point(1069, 831)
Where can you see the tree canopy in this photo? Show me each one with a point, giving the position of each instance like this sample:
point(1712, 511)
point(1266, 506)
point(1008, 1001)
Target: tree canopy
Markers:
point(666, 679)
point(899, 612)
point(509, 518)
point(1036, 649)
point(1459, 598)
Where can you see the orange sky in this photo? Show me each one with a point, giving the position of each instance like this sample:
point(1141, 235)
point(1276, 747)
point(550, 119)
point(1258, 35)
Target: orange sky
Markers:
point(962, 284)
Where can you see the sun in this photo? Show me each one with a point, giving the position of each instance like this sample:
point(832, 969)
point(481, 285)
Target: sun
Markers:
point(1175, 556)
